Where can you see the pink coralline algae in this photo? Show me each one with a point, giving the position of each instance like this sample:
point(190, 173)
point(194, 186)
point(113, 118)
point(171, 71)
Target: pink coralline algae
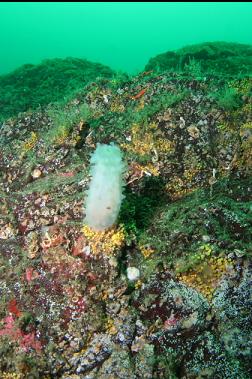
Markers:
point(26, 341)
point(31, 274)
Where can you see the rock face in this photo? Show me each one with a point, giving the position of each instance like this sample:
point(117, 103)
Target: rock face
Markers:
point(69, 308)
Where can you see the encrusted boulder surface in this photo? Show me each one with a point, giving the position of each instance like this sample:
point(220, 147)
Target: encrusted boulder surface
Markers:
point(68, 308)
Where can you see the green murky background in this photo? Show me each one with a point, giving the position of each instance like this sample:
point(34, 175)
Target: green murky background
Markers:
point(121, 35)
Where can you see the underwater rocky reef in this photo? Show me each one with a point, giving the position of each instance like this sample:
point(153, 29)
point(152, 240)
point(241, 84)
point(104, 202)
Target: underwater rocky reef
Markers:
point(31, 86)
point(226, 58)
point(68, 306)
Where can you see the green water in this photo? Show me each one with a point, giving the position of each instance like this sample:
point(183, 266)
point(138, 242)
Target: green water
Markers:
point(121, 35)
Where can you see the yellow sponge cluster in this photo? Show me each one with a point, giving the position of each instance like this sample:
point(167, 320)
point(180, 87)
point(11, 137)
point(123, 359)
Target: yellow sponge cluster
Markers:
point(105, 242)
point(12, 375)
point(29, 143)
point(146, 251)
point(205, 276)
point(145, 140)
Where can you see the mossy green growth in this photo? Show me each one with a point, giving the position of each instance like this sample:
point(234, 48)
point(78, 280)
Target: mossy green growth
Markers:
point(197, 227)
point(63, 121)
point(137, 210)
point(225, 58)
point(227, 98)
point(31, 86)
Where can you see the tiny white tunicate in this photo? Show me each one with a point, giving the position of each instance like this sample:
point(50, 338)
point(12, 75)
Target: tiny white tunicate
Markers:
point(133, 273)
